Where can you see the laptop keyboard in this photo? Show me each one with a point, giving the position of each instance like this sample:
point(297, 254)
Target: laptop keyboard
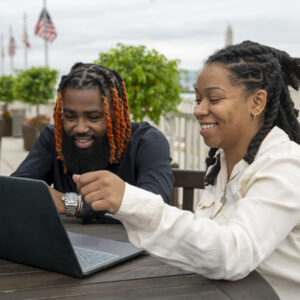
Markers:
point(89, 258)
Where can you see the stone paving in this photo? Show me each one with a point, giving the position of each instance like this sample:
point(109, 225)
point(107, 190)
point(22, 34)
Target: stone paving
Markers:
point(12, 154)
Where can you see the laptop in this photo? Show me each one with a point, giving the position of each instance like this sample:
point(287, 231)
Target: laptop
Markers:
point(32, 233)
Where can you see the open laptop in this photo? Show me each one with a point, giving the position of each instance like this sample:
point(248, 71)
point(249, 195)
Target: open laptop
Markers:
point(32, 233)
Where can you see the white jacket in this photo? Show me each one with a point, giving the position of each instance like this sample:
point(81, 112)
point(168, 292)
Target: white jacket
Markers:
point(257, 227)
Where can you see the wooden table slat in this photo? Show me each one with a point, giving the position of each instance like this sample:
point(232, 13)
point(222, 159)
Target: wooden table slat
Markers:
point(143, 277)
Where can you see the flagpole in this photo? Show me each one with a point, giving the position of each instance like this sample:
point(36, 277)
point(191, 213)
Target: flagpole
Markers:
point(25, 43)
point(45, 35)
point(11, 56)
point(2, 58)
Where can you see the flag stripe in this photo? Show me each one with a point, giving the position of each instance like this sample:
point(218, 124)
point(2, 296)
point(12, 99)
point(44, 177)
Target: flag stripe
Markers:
point(12, 47)
point(2, 52)
point(25, 39)
point(45, 28)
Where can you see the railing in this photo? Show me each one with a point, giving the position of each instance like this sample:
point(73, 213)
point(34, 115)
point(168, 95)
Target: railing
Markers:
point(186, 145)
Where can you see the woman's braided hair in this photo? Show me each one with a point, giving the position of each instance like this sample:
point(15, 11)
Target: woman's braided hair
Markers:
point(256, 66)
point(88, 76)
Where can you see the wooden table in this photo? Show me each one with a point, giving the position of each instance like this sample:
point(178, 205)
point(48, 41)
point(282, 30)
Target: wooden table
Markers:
point(143, 277)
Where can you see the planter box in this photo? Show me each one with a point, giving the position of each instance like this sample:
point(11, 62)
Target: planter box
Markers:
point(18, 116)
point(30, 135)
point(6, 126)
point(1, 129)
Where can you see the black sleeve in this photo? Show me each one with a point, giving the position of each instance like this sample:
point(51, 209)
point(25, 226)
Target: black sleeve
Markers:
point(39, 162)
point(153, 166)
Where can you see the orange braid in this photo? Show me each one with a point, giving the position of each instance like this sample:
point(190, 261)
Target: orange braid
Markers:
point(109, 131)
point(57, 116)
point(126, 115)
point(122, 126)
point(116, 120)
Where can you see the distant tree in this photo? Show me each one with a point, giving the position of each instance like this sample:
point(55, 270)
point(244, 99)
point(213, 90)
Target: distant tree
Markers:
point(36, 86)
point(7, 94)
point(152, 81)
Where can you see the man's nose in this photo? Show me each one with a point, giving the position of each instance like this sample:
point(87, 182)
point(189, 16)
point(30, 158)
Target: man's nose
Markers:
point(81, 126)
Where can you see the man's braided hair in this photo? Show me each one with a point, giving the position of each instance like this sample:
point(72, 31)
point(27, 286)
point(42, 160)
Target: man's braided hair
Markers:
point(256, 66)
point(89, 76)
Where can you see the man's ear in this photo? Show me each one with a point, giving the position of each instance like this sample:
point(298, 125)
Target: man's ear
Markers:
point(258, 102)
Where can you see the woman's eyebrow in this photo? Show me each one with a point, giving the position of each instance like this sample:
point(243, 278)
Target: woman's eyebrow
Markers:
point(215, 88)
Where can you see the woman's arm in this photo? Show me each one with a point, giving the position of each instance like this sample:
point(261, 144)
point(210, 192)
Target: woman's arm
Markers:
point(263, 217)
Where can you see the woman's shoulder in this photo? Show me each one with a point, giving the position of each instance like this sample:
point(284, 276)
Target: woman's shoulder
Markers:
point(277, 145)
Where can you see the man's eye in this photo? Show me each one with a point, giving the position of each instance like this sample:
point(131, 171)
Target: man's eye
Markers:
point(214, 100)
point(95, 118)
point(69, 117)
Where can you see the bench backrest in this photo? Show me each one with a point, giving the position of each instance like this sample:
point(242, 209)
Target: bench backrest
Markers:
point(189, 180)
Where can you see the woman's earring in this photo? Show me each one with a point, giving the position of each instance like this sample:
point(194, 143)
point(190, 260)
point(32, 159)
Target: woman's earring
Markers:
point(254, 116)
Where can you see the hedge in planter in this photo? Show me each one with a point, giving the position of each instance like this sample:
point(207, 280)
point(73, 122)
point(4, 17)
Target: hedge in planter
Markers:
point(152, 81)
point(36, 86)
point(7, 96)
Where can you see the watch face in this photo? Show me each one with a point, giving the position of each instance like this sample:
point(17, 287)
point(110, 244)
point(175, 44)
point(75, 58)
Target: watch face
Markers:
point(70, 198)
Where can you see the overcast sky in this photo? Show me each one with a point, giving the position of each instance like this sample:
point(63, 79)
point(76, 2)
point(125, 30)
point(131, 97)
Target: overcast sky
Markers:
point(188, 30)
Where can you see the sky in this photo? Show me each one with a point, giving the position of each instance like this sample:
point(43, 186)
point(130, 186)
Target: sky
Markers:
point(187, 30)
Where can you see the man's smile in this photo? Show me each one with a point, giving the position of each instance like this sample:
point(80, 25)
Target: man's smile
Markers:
point(84, 142)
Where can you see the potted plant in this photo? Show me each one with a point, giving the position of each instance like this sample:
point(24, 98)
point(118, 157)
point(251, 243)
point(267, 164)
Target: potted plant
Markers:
point(152, 81)
point(35, 86)
point(7, 96)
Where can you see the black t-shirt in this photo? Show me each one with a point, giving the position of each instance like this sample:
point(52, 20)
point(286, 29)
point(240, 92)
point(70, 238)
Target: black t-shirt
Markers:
point(146, 164)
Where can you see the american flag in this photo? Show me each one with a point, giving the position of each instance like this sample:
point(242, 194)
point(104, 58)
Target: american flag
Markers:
point(12, 47)
point(45, 30)
point(2, 52)
point(25, 39)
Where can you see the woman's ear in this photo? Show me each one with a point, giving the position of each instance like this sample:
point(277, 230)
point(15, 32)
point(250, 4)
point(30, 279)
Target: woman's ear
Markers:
point(258, 103)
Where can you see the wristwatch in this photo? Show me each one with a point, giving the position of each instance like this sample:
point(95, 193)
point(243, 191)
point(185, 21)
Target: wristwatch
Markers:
point(72, 201)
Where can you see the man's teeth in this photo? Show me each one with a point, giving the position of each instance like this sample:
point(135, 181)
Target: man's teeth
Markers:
point(207, 126)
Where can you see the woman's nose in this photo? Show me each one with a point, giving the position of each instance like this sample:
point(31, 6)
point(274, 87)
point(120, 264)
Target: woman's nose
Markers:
point(201, 109)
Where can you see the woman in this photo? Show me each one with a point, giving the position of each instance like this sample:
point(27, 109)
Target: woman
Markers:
point(249, 215)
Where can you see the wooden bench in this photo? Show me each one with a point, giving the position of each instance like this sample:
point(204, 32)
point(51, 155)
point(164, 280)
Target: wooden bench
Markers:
point(189, 180)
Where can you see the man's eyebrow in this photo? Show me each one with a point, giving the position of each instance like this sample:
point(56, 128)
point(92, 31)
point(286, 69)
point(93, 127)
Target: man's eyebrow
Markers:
point(93, 111)
point(65, 109)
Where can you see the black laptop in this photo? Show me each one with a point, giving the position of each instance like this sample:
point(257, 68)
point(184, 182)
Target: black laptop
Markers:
point(32, 233)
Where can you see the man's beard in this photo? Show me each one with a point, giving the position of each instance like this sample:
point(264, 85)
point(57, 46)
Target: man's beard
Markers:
point(79, 161)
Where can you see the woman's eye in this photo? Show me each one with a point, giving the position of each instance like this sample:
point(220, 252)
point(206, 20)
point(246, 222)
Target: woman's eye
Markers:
point(214, 100)
point(198, 100)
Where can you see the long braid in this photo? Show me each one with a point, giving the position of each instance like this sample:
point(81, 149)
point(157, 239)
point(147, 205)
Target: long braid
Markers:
point(116, 111)
point(89, 76)
point(57, 116)
point(109, 131)
point(126, 115)
point(261, 67)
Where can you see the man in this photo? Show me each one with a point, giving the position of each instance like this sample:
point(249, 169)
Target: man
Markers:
point(92, 131)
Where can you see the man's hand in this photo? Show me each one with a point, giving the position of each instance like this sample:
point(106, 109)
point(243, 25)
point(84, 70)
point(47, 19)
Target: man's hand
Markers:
point(60, 204)
point(103, 190)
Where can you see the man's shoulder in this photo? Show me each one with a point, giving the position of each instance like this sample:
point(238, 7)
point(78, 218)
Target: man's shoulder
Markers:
point(47, 134)
point(48, 130)
point(145, 130)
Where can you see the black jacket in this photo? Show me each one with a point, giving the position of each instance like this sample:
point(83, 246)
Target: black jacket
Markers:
point(146, 164)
